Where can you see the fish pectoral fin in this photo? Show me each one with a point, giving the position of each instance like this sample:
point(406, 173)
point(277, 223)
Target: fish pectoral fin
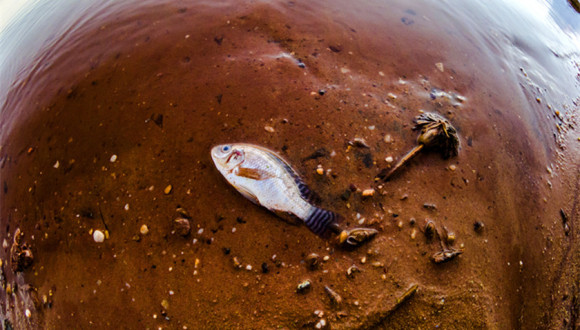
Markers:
point(252, 173)
point(248, 194)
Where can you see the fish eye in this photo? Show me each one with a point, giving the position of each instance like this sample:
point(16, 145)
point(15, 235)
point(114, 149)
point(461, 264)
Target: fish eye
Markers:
point(226, 148)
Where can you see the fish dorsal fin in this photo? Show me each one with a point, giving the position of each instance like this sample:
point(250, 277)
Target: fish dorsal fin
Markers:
point(305, 191)
point(253, 173)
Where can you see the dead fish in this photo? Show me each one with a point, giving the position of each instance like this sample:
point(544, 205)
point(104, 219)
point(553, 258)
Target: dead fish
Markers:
point(267, 180)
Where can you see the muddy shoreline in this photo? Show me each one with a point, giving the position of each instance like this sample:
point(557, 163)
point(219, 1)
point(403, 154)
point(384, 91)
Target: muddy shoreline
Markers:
point(297, 79)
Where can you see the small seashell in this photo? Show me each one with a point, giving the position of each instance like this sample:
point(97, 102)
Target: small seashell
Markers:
point(429, 228)
point(351, 270)
point(335, 298)
point(312, 261)
point(303, 286)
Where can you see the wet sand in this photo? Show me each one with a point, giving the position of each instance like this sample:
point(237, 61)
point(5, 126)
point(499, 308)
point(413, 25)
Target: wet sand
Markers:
point(179, 79)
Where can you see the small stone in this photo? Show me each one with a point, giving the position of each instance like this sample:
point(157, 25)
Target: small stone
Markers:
point(27, 313)
point(439, 66)
point(452, 167)
point(144, 230)
point(392, 96)
point(265, 268)
point(167, 190)
point(303, 286)
point(312, 261)
point(56, 165)
point(368, 192)
point(413, 233)
point(98, 236)
point(320, 170)
point(126, 207)
point(269, 129)
point(113, 158)
point(165, 304)
point(478, 226)
point(181, 226)
point(388, 138)
point(236, 262)
point(389, 159)
point(249, 267)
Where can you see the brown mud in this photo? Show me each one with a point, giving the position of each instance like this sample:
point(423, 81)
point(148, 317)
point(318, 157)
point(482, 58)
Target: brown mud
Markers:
point(157, 89)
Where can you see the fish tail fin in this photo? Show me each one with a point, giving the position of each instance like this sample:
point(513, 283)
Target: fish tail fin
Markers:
point(319, 220)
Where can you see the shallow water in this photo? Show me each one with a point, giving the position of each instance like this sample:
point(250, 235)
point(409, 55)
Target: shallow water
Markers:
point(157, 84)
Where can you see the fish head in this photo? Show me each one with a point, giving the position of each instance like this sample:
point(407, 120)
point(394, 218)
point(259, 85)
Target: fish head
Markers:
point(227, 156)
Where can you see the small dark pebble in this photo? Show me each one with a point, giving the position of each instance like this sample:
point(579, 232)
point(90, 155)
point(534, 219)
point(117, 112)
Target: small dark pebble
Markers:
point(395, 215)
point(301, 65)
point(368, 160)
point(320, 152)
point(478, 226)
point(352, 187)
point(412, 221)
point(265, 268)
point(226, 250)
point(321, 92)
point(345, 195)
point(335, 49)
point(240, 220)
point(407, 21)
point(218, 40)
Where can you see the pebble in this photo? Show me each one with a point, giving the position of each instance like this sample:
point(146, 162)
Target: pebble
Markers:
point(56, 165)
point(413, 233)
point(302, 287)
point(326, 258)
point(113, 158)
point(321, 324)
point(249, 267)
point(182, 226)
point(144, 230)
point(439, 66)
point(452, 167)
point(392, 97)
point(28, 313)
point(98, 236)
point(126, 207)
point(389, 159)
point(269, 129)
point(320, 170)
point(168, 189)
point(388, 138)
point(368, 192)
